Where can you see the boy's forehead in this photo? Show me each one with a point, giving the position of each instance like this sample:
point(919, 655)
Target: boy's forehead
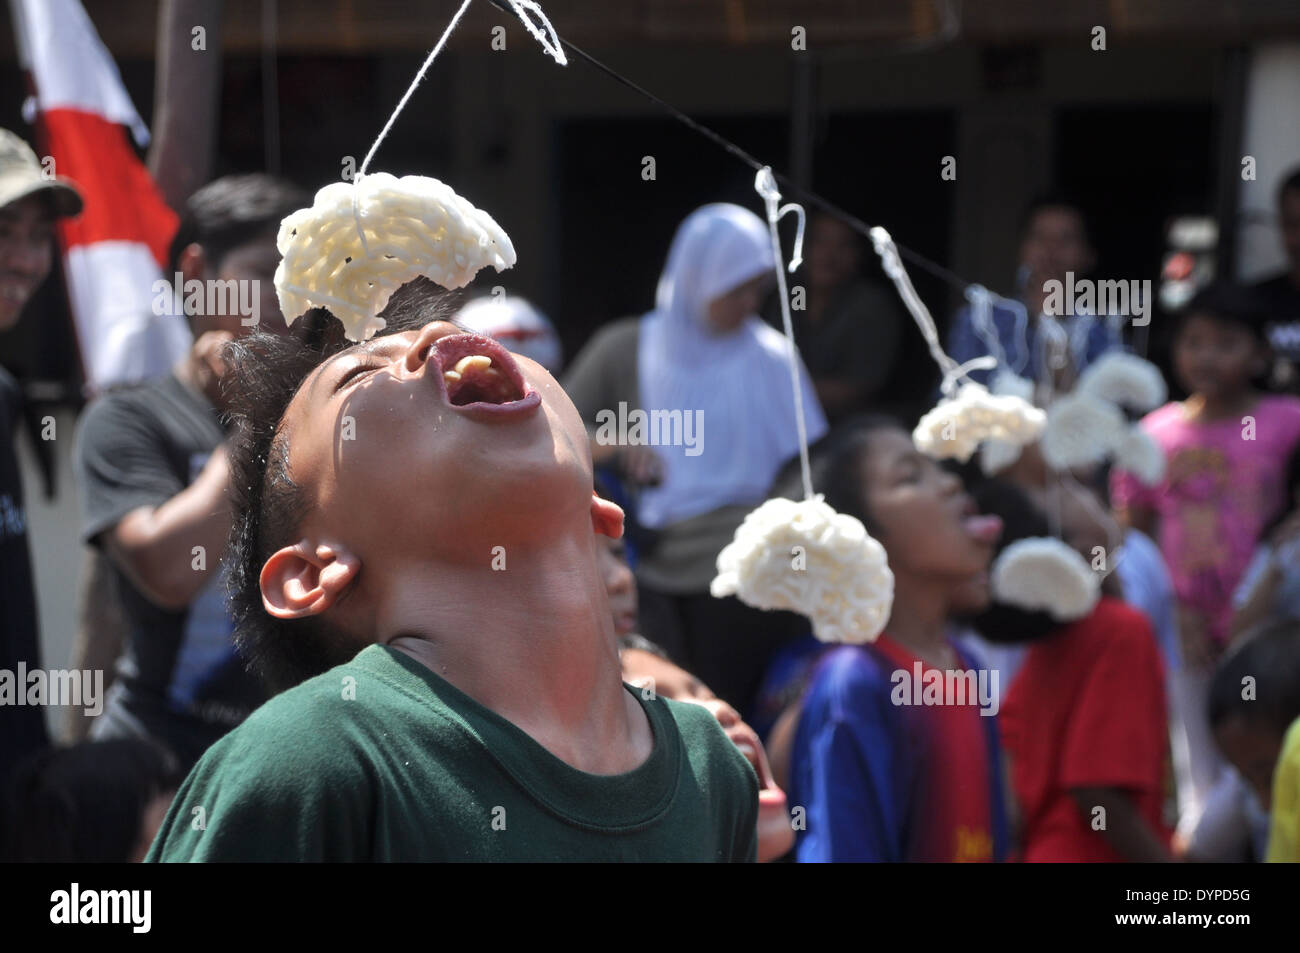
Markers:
point(313, 389)
point(376, 345)
point(382, 345)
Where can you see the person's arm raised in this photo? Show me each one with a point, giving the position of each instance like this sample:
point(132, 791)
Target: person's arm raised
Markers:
point(155, 546)
point(188, 84)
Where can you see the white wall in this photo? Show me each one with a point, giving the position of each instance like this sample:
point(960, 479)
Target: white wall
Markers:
point(1270, 133)
point(52, 532)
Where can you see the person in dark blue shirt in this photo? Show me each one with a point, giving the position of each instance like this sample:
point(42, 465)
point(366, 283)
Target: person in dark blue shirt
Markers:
point(1054, 245)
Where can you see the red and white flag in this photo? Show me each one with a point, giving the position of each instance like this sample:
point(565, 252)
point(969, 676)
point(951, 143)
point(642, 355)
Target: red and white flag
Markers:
point(116, 250)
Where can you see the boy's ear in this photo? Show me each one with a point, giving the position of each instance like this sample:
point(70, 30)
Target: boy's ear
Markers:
point(606, 517)
point(306, 579)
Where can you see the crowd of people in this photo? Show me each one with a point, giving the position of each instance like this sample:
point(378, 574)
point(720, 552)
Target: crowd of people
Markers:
point(445, 638)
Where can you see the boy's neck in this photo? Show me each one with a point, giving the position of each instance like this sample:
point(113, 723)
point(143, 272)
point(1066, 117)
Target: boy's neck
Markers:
point(534, 642)
point(919, 619)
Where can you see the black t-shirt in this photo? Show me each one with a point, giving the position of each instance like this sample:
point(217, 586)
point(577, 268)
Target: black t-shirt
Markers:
point(22, 727)
point(180, 680)
point(1281, 296)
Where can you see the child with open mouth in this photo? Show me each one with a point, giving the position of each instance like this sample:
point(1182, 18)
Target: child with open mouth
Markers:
point(883, 776)
point(415, 562)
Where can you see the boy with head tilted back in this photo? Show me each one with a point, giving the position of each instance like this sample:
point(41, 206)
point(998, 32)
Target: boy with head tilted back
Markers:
point(415, 552)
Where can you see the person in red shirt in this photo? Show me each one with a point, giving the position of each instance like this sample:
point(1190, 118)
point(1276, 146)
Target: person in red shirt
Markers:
point(1084, 721)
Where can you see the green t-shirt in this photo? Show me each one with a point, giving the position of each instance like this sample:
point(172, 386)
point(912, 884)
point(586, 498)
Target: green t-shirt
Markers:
point(382, 760)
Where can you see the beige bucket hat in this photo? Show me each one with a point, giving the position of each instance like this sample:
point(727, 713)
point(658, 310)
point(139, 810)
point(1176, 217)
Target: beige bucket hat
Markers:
point(21, 175)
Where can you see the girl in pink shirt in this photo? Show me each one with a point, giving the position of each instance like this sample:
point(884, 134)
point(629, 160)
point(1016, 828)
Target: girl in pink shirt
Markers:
point(1227, 447)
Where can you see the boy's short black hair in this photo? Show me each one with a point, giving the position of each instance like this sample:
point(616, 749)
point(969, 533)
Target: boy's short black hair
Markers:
point(1271, 657)
point(84, 804)
point(266, 371)
point(232, 211)
point(1229, 303)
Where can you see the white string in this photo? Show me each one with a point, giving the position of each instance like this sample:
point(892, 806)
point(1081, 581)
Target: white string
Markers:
point(797, 259)
point(357, 213)
point(982, 302)
point(765, 185)
point(1052, 341)
point(545, 34)
point(981, 313)
point(410, 90)
point(953, 372)
point(1017, 308)
point(951, 377)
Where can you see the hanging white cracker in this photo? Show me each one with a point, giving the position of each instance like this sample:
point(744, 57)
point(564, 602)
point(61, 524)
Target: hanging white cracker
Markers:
point(1125, 379)
point(956, 426)
point(1082, 430)
point(1139, 454)
point(804, 556)
point(402, 229)
point(1043, 574)
point(1006, 383)
point(807, 558)
point(996, 455)
point(361, 241)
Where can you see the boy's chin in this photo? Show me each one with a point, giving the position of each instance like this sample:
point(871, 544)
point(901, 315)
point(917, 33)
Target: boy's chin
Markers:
point(501, 509)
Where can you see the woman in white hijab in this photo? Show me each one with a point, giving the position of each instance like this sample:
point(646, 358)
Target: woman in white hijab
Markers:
point(703, 355)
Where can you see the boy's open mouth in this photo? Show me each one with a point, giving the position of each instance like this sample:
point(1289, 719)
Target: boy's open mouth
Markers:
point(478, 372)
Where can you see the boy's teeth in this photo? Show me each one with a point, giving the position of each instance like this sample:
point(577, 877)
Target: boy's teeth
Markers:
point(479, 361)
